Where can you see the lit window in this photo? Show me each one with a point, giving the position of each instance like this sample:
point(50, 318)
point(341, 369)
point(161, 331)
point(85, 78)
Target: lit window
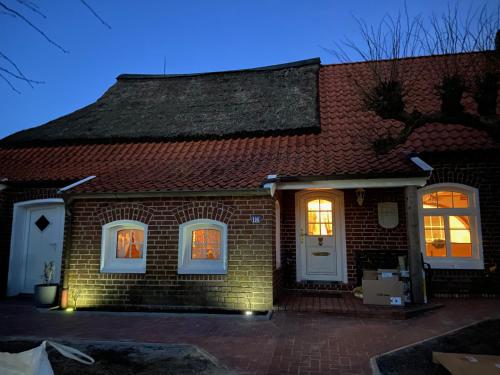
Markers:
point(123, 248)
point(206, 244)
point(202, 247)
point(319, 218)
point(450, 224)
point(129, 243)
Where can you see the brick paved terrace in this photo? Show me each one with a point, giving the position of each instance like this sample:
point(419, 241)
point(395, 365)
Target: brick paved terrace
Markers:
point(290, 343)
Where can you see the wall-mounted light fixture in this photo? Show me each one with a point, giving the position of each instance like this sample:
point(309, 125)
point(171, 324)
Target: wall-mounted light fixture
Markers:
point(360, 196)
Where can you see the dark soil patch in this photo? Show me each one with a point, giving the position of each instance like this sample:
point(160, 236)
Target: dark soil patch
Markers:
point(481, 338)
point(127, 359)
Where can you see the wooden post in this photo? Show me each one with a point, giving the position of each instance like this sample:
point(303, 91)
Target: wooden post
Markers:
point(414, 253)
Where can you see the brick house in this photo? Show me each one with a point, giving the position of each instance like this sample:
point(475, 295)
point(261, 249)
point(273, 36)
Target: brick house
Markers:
point(224, 189)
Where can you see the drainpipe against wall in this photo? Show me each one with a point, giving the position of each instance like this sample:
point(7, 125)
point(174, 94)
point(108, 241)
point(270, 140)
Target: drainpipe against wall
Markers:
point(68, 241)
point(67, 245)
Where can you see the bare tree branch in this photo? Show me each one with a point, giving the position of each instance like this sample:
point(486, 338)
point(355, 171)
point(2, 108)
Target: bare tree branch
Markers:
point(10, 84)
point(17, 76)
point(4, 13)
point(95, 14)
point(32, 6)
point(28, 81)
point(13, 11)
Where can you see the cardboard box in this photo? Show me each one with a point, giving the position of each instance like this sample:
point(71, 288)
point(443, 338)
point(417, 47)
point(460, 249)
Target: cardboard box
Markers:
point(383, 292)
point(468, 364)
point(370, 275)
point(388, 274)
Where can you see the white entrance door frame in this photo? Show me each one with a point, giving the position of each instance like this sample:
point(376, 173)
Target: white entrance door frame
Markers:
point(337, 197)
point(19, 242)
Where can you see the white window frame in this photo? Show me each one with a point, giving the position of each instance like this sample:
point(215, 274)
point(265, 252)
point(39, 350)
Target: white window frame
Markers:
point(473, 211)
point(109, 262)
point(186, 265)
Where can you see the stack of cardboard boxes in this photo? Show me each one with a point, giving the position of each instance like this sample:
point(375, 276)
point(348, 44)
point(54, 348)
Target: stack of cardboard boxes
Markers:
point(388, 287)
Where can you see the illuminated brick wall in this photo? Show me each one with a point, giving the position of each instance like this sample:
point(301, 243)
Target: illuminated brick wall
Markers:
point(248, 283)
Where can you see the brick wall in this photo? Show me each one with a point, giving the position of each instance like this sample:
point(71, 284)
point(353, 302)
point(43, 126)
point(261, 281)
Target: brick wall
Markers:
point(364, 236)
point(482, 171)
point(248, 283)
point(363, 233)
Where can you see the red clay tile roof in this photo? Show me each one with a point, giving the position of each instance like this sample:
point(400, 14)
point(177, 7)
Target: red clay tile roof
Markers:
point(343, 148)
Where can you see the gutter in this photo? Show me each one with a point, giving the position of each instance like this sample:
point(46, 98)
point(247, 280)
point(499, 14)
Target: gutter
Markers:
point(74, 184)
point(421, 164)
point(180, 193)
point(3, 186)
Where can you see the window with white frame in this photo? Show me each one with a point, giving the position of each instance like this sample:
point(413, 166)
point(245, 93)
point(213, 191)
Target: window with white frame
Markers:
point(450, 227)
point(123, 247)
point(202, 247)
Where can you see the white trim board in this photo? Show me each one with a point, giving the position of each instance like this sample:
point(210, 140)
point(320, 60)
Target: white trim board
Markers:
point(349, 184)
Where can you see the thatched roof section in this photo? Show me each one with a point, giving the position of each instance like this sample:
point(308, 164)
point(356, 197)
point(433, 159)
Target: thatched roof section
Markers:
point(275, 99)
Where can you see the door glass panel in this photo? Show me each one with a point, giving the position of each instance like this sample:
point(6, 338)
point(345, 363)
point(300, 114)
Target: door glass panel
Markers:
point(312, 217)
point(319, 218)
point(461, 244)
point(206, 244)
point(129, 243)
point(435, 240)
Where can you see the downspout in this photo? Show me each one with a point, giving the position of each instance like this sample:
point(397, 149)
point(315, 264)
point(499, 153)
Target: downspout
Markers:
point(68, 237)
point(68, 244)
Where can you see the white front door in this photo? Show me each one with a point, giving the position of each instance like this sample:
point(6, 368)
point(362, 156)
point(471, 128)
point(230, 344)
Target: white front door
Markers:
point(37, 238)
point(43, 245)
point(320, 236)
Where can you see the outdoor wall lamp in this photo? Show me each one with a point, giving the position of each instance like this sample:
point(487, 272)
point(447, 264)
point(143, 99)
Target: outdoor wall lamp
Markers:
point(360, 196)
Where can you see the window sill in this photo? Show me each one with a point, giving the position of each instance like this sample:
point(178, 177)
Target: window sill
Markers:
point(122, 269)
point(449, 264)
point(190, 270)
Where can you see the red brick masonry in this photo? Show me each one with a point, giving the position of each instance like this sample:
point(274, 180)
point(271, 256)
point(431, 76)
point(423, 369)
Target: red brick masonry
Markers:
point(247, 285)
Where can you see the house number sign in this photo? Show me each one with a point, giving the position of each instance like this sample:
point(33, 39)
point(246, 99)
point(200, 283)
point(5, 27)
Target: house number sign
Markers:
point(388, 215)
point(256, 219)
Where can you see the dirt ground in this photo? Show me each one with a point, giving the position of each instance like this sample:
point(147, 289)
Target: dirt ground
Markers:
point(481, 338)
point(127, 359)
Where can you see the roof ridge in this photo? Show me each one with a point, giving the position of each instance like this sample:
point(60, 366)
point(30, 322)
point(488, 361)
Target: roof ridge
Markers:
point(292, 64)
point(407, 58)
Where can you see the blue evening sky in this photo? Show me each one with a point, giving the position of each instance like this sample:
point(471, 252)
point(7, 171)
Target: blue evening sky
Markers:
point(194, 36)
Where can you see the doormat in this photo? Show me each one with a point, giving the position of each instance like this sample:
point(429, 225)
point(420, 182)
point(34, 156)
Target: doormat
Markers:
point(318, 293)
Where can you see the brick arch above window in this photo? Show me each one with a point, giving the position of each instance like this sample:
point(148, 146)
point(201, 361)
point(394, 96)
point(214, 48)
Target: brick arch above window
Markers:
point(464, 176)
point(125, 211)
point(203, 210)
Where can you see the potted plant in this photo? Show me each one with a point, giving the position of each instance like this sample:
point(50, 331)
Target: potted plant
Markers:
point(45, 293)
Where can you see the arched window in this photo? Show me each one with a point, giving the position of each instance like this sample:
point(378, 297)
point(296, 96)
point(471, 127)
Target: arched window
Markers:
point(123, 248)
point(450, 228)
point(202, 247)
